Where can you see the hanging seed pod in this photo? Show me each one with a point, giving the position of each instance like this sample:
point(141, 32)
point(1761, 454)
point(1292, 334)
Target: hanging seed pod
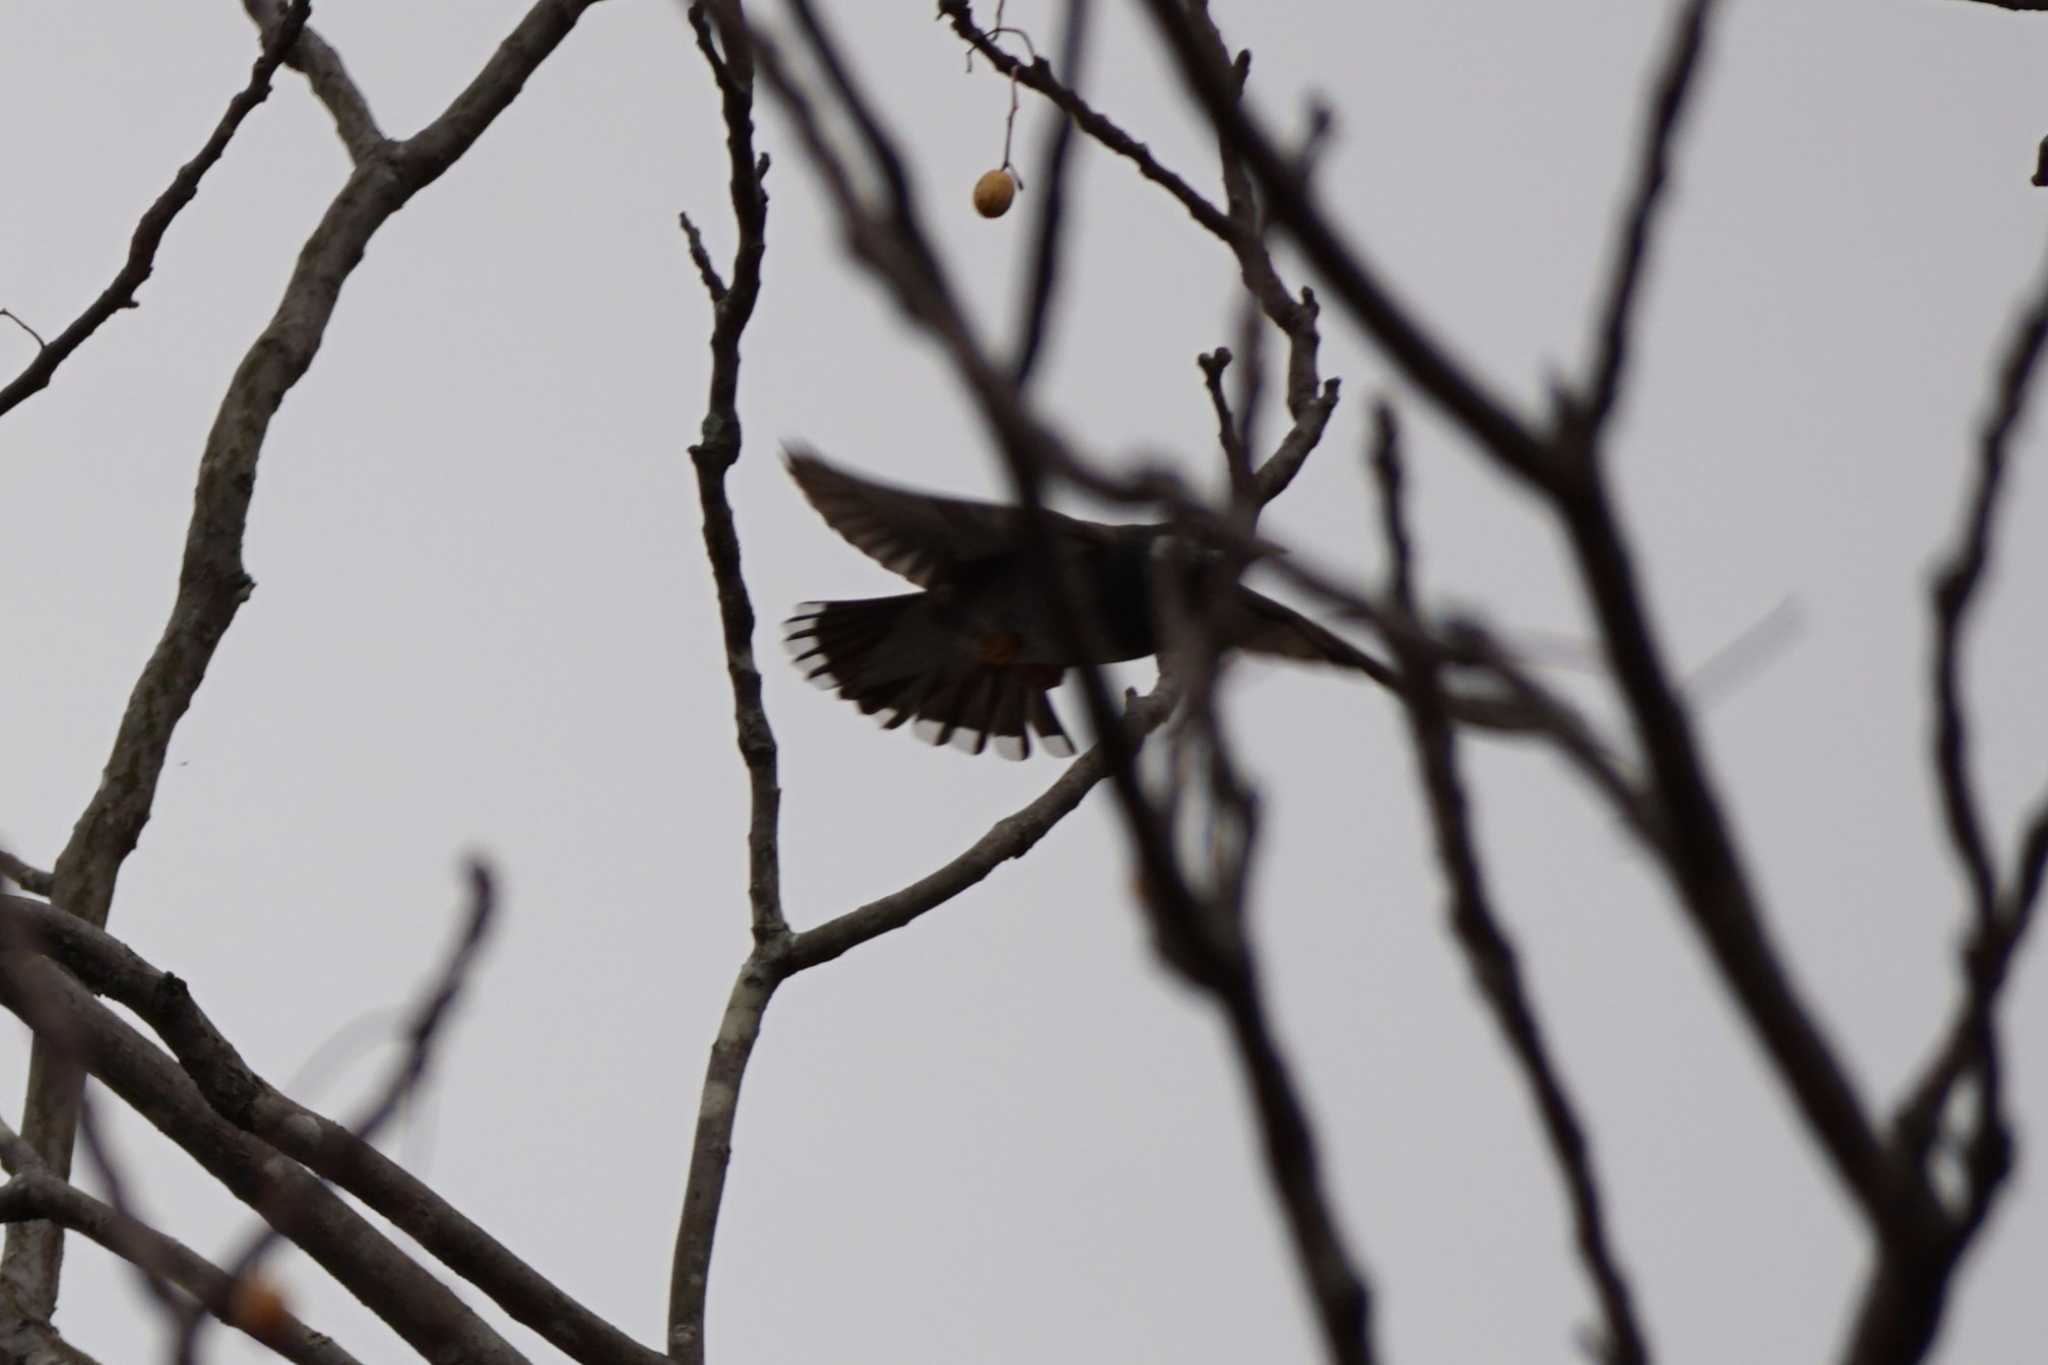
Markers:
point(994, 192)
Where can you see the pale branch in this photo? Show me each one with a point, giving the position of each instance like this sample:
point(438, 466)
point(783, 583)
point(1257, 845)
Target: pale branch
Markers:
point(726, 45)
point(1011, 837)
point(776, 959)
point(30, 1340)
point(1477, 927)
point(728, 53)
point(241, 1097)
point(34, 1193)
point(718, 1105)
point(157, 220)
point(320, 64)
point(345, 1244)
point(213, 581)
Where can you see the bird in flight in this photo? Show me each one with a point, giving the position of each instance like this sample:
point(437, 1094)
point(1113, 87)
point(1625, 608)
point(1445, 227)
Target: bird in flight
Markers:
point(969, 660)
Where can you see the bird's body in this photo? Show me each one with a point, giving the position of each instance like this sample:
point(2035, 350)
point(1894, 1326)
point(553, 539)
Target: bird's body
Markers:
point(970, 659)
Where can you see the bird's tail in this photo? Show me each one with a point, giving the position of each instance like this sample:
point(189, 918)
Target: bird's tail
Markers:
point(887, 654)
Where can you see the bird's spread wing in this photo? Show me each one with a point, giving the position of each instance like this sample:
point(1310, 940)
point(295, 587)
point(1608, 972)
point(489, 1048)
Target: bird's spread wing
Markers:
point(926, 539)
point(1257, 623)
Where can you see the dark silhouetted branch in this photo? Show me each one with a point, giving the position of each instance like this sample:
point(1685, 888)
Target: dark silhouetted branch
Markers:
point(1617, 315)
point(1478, 929)
point(1048, 238)
point(1287, 201)
point(1038, 75)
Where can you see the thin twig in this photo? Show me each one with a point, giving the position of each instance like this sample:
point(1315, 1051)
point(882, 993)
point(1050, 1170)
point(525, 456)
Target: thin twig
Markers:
point(1039, 76)
point(1009, 838)
point(1667, 105)
point(14, 318)
point(1229, 434)
point(149, 232)
point(1955, 595)
point(1288, 201)
point(1048, 251)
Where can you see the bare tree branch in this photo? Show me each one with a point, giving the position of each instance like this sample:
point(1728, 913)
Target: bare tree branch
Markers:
point(30, 879)
point(891, 240)
point(213, 582)
point(1707, 871)
point(241, 1097)
point(30, 1340)
point(1048, 240)
point(711, 1148)
point(1955, 594)
point(1588, 415)
point(1427, 361)
point(321, 65)
point(149, 232)
point(718, 449)
point(1203, 946)
point(416, 1305)
point(1488, 950)
point(1009, 838)
point(1903, 1304)
point(34, 1194)
point(1039, 76)
point(421, 1030)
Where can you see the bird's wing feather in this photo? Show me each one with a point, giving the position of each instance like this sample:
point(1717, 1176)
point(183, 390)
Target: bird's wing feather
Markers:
point(1263, 626)
point(924, 538)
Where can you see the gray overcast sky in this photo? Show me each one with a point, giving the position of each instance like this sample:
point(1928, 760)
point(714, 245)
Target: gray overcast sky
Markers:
point(483, 622)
